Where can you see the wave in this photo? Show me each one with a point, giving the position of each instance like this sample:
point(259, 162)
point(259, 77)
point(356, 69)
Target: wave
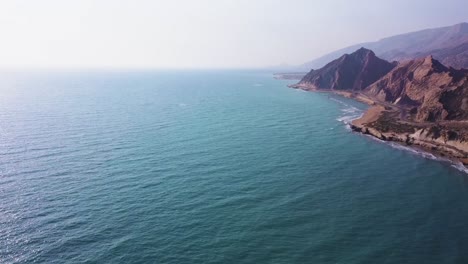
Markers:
point(350, 113)
point(347, 119)
point(457, 165)
point(418, 152)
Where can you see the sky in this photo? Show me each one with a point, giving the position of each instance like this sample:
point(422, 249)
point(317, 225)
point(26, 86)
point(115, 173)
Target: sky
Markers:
point(202, 33)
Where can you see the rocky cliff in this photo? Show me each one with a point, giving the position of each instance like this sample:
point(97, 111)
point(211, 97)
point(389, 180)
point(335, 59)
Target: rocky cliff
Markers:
point(420, 102)
point(428, 89)
point(353, 72)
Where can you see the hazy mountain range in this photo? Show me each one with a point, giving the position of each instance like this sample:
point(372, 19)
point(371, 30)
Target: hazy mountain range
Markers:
point(449, 45)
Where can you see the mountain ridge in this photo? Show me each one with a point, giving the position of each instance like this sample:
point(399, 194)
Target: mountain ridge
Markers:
point(448, 44)
point(353, 71)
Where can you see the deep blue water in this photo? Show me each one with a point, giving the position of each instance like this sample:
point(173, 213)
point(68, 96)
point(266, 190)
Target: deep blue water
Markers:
point(211, 167)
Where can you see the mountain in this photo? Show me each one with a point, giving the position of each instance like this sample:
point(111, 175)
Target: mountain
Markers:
point(433, 91)
point(447, 44)
point(353, 71)
point(456, 57)
point(418, 102)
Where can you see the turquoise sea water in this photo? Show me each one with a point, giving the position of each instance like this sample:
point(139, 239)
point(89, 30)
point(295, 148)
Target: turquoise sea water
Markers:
point(211, 167)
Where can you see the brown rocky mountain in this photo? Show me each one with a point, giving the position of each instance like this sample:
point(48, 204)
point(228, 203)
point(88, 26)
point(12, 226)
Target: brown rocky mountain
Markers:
point(418, 102)
point(353, 71)
point(456, 57)
point(433, 91)
point(447, 44)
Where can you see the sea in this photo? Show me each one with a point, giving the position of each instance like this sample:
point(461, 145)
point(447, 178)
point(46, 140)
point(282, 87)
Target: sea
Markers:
point(211, 166)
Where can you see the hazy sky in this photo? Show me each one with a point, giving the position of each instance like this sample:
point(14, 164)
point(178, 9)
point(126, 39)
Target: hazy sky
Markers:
point(203, 33)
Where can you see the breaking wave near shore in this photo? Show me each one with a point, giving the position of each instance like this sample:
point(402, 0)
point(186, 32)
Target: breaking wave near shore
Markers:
point(349, 112)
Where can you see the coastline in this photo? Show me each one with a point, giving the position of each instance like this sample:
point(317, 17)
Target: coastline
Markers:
point(383, 122)
point(356, 96)
point(289, 75)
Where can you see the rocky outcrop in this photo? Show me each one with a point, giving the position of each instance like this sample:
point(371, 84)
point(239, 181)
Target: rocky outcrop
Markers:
point(448, 140)
point(427, 89)
point(353, 72)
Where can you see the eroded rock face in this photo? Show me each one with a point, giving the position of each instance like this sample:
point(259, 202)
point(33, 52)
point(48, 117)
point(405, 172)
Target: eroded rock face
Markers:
point(428, 90)
point(435, 92)
point(353, 72)
point(419, 102)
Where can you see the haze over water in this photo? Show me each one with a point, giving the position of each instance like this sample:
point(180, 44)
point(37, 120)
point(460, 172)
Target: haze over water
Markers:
point(210, 167)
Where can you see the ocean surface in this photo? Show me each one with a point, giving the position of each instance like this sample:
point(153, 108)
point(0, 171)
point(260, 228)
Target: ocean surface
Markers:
point(211, 167)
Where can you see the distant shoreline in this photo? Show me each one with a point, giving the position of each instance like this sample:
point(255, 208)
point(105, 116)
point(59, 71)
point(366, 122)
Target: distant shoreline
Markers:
point(289, 75)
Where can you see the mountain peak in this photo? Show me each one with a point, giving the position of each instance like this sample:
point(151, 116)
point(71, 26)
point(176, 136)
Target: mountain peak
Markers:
point(434, 64)
point(363, 52)
point(429, 59)
point(360, 54)
point(353, 71)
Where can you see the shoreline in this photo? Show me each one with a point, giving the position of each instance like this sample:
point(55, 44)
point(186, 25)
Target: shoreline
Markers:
point(351, 95)
point(419, 151)
point(383, 122)
point(289, 75)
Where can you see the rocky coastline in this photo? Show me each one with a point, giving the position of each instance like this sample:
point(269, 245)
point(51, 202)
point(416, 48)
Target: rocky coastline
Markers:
point(443, 140)
point(420, 103)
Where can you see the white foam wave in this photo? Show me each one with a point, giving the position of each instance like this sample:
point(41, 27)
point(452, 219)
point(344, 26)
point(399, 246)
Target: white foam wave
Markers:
point(421, 153)
point(338, 101)
point(347, 119)
point(351, 109)
point(350, 112)
point(460, 167)
point(457, 165)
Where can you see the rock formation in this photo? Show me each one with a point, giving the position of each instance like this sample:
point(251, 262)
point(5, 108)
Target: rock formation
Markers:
point(430, 90)
point(419, 102)
point(353, 71)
